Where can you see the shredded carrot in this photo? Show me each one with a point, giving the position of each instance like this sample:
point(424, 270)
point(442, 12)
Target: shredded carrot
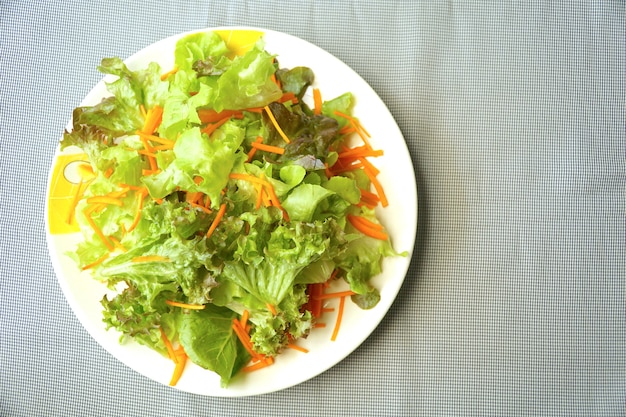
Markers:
point(185, 305)
point(117, 244)
point(335, 294)
point(248, 177)
point(244, 338)
point(319, 325)
point(141, 194)
point(245, 315)
point(347, 168)
point(165, 75)
point(342, 302)
point(317, 101)
point(369, 198)
point(142, 110)
point(368, 165)
point(296, 347)
point(253, 150)
point(268, 148)
point(365, 222)
point(210, 128)
point(367, 228)
point(108, 173)
point(346, 130)
point(146, 172)
point(271, 309)
point(168, 345)
point(157, 139)
point(181, 361)
point(360, 151)
point(314, 304)
point(151, 258)
point(263, 363)
point(377, 186)
point(87, 212)
point(216, 220)
point(153, 119)
point(212, 116)
point(276, 125)
point(357, 126)
point(201, 207)
point(97, 262)
point(288, 96)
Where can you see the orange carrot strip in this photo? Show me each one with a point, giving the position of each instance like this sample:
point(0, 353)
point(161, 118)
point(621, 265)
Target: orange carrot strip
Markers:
point(259, 365)
point(377, 186)
point(97, 262)
point(96, 229)
point(201, 207)
point(212, 116)
point(247, 177)
point(168, 346)
point(358, 127)
point(151, 258)
point(288, 96)
point(141, 194)
point(142, 110)
point(210, 128)
point(146, 172)
point(268, 148)
point(367, 164)
point(253, 150)
point(165, 75)
point(360, 151)
point(216, 220)
point(244, 318)
point(296, 347)
point(319, 325)
point(157, 139)
point(342, 302)
point(317, 101)
point(244, 338)
point(153, 119)
point(351, 167)
point(369, 198)
point(366, 229)
point(117, 244)
point(275, 123)
point(271, 309)
point(335, 294)
point(185, 305)
point(365, 222)
point(181, 361)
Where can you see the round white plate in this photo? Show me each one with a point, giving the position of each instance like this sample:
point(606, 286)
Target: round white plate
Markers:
point(292, 367)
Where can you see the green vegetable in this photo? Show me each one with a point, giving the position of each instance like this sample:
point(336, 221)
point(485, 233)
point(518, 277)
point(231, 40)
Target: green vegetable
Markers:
point(150, 214)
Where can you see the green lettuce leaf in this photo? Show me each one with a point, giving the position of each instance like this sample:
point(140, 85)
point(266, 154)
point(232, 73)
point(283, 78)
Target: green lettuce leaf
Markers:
point(209, 341)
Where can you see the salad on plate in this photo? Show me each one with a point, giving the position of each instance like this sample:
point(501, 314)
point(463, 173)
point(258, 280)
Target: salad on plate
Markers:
point(220, 199)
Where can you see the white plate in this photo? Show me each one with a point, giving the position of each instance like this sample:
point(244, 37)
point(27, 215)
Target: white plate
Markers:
point(292, 367)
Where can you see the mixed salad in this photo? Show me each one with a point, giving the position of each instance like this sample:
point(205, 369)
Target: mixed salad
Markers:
point(218, 204)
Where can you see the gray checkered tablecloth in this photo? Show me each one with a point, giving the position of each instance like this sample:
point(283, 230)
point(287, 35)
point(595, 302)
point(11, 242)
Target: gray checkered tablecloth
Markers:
point(515, 118)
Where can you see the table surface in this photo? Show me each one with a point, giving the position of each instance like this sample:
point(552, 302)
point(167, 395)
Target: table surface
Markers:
point(515, 118)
